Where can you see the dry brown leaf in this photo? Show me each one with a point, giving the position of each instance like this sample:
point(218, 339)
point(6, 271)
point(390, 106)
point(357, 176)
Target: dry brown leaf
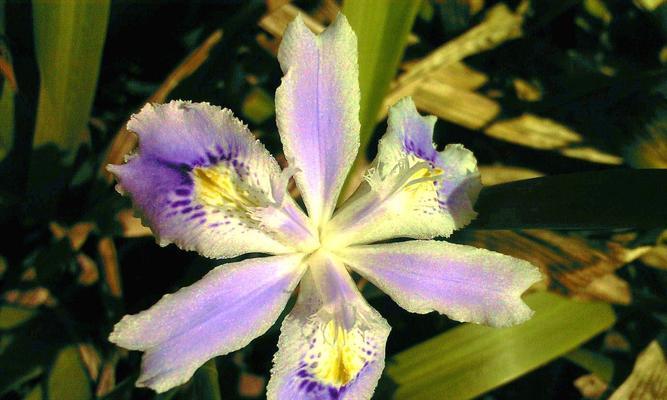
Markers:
point(536, 132)
point(30, 298)
point(497, 174)
point(591, 386)
point(648, 380)
point(107, 251)
point(499, 25)
point(107, 377)
point(276, 21)
point(462, 107)
point(77, 233)
point(91, 359)
point(459, 76)
point(131, 225)
point(569, 263)
point(526, 91)
point(615, 341)
point(125, 141)
point(7, 71)
point(89, 273)
point(251, 385)
point(609, 288)
point(656, 257)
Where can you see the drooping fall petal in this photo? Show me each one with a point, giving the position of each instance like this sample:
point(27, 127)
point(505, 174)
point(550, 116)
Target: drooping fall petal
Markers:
point(199, 180)
point(223, 312)
point(332, 343)
point(463, 282)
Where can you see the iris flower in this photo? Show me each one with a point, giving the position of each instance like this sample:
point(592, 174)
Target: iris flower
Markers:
point(200, 180)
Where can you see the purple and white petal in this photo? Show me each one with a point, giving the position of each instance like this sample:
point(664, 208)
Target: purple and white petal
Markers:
point(199, 178)
point(411, 190)
point(332, 344)
point(223, 312)
point(317, 110)
point(463, 282)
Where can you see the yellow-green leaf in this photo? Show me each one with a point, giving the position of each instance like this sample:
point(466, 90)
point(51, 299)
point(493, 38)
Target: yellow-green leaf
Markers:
point(382, 28)
point(469, 360)
point(68, 378)
point(11, 316)
point(69, 38)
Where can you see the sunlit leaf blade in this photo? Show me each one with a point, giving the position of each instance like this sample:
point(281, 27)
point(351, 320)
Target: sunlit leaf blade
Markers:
point(382, 29)
point(611, 199)
point(469, 360)
point(68, 378)
point(69, 37)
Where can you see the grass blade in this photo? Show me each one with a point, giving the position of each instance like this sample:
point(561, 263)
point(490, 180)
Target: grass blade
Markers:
point(469, 360)
point(610, 199)
point(69, 38)
point(382, 29)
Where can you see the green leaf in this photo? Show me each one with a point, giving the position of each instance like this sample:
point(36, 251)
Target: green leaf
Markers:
point(37, 393)
point(596, 363)
point(11, 316)
point(31, 349)
point(611, 199)
point(69, 38)
point(469, 360)
point(258, 106)
point(6, 120)
point(204, 384)
point(68, 378)
point(382, 28)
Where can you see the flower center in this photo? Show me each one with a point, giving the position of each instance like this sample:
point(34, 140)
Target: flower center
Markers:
point(342, 358)
point(222, 187)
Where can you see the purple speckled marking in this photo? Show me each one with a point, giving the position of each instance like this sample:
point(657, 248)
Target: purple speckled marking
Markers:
point(197, 215)
point(180, 203)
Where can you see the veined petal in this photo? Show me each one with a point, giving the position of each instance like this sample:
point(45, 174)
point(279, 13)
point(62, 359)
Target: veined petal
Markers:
point(332, 344)
point(317, 110)
point(223, 312)
point(463, 282)
point(202, 181)
point(411, 190)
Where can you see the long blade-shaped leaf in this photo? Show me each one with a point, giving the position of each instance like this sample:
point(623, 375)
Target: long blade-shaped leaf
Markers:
point(469, 360)
point(69, 37)
point(611, 199)
point(382, 28)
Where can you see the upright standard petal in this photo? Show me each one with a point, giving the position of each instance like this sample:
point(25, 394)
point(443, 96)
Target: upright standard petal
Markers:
point(332, 343)
point(223, 312)
point(317, 110)
point(411, 190)
point(202, 181)
point(465, 283)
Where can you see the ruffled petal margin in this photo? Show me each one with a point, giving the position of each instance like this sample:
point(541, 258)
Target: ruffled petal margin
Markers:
point(223, 312)
point(463, 282)
point(411, 190)
point(202, 181)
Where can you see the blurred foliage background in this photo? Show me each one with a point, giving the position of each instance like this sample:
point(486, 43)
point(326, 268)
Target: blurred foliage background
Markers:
point(573, 89)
